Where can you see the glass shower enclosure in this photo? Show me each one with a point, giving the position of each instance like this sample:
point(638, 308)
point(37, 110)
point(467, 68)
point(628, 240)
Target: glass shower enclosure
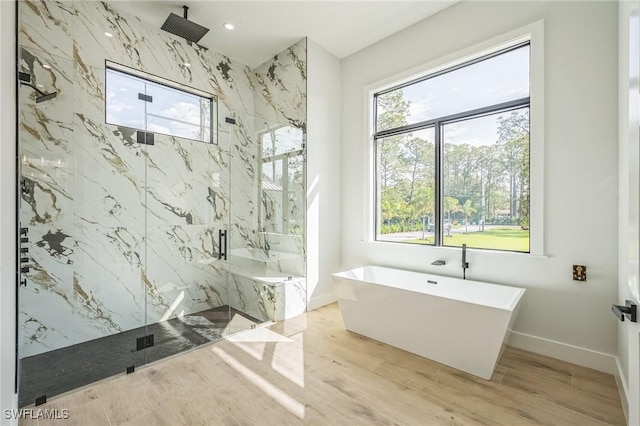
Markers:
point(124, 241)
point(162, 194)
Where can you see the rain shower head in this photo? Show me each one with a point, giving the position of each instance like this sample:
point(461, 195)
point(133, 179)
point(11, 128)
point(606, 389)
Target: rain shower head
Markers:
point(184, 28)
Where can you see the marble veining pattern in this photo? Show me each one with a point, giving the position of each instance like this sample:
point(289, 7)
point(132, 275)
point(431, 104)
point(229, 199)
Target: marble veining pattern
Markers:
point(268, 301)
point(281, 87)
point(280, 103)
point(122, 234)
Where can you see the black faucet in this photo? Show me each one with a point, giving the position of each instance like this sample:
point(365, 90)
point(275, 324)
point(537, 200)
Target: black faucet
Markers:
point(465, 264)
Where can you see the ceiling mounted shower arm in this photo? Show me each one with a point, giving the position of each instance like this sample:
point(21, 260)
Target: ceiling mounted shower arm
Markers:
point(186, 9)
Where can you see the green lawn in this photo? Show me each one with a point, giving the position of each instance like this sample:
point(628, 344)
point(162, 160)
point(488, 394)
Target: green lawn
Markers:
point(503, 238)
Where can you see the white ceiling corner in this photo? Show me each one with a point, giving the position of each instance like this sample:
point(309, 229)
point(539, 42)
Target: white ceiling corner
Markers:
point(264, 28)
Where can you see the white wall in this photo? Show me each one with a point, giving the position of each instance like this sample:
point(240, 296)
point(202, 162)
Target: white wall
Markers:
point(7, 207)
point(560, 317)
point(323, 173)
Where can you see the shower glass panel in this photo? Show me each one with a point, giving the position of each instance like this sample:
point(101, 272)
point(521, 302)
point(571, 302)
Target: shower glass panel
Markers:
point(187, 200)
point(136, 248)
point(123, 108)
point(267, 267)
point(283, 181)
point(178, 113)
point(81, 209)
point(122, 261)
point(245, 295)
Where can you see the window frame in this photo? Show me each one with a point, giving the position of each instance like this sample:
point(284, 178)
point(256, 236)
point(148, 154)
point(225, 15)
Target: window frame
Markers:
point(533, 34)
point(161, 81)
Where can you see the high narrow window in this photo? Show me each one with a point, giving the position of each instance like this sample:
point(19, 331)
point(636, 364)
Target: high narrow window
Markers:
point(157, 105)
point(452, 155)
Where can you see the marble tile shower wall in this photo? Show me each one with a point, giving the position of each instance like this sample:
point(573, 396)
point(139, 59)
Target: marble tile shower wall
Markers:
point(121, 233)
point(281, 101)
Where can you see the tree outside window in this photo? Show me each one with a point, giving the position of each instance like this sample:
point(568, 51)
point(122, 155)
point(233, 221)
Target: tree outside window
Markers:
point(452, 156)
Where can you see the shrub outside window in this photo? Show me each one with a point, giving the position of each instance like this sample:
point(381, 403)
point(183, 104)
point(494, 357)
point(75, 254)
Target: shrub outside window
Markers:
point(452, 156)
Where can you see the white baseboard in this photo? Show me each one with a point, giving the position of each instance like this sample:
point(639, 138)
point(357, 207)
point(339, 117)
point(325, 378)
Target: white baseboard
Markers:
point(623, 389)
point(565, 352)
point(321, 300)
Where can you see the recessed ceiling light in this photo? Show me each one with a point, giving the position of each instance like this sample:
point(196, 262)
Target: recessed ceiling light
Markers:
point(46, 66)
point(187, 64)
point(108, 34)
point(228, 26)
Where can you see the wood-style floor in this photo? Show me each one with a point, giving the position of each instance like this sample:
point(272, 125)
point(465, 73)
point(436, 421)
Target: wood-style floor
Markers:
point(310, 370)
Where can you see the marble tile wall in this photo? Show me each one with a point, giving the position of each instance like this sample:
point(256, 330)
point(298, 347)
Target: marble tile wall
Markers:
point(281, 87)
point(259, 270)
point(281, 103)
point(268, 299)
point(122, 234)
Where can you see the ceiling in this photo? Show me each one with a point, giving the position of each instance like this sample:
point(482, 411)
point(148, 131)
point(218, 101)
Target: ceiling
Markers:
point(265, 28)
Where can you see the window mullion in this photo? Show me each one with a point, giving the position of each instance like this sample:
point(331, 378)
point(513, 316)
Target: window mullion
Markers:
point(438, 234)
point(465, 115)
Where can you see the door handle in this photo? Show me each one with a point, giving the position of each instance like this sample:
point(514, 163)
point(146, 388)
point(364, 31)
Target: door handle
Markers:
point(629, 310)
point(222, 248)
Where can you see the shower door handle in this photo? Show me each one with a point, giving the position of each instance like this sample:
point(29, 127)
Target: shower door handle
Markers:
point(222, 253)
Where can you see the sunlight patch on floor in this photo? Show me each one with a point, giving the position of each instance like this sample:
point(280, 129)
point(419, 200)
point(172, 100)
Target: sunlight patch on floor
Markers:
point(287, 402)
point(258, 335)
point(289, 362)
point(286, 360)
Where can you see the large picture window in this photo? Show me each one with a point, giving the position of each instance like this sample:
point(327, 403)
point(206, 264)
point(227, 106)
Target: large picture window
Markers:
point(452, 155)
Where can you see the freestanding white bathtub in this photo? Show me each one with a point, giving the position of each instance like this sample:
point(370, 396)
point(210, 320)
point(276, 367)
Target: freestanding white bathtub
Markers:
point(459, 323)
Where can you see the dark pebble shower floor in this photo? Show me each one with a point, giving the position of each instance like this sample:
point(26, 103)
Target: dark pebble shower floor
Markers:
point(61, 370)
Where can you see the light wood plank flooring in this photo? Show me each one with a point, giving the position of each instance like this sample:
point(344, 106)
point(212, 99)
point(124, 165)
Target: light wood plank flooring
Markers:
point(310, 370)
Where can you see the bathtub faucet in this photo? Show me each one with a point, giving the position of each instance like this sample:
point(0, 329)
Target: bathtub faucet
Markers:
point(465, 264)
